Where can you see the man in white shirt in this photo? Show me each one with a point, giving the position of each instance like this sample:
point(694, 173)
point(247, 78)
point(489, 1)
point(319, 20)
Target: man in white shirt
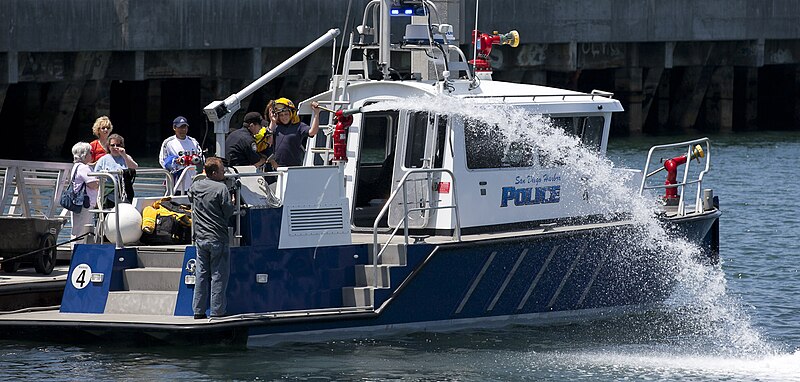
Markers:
point(181, 153)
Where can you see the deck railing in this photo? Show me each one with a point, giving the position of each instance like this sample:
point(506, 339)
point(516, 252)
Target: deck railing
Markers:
point(379, 249)
point(32, 188)
point(685, 181)
point(114, 177)
point(154, 181)
point(148, 181)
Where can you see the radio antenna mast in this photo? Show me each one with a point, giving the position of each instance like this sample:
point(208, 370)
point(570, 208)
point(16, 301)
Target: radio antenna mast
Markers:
point(475, 38)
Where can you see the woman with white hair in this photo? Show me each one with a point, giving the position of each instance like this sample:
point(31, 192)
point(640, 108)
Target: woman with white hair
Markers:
point(82, 156)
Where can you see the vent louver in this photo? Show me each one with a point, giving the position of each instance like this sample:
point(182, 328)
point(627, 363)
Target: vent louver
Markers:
point(307, 221)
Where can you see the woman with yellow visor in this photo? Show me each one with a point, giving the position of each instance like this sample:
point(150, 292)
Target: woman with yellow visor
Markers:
point(289, 134)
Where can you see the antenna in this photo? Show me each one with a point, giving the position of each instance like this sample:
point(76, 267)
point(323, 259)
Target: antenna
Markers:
point(475, 40)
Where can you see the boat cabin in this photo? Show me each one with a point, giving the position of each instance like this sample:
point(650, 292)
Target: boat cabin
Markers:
point(499, 182)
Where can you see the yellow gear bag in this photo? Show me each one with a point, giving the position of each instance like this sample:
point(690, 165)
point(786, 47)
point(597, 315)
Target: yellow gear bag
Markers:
point(165, 207)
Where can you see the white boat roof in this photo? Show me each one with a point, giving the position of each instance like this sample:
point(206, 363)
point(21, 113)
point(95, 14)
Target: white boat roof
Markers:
point(491, 91)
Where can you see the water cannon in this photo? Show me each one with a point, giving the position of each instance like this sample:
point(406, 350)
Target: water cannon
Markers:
point(671, 165)
point(483, 46)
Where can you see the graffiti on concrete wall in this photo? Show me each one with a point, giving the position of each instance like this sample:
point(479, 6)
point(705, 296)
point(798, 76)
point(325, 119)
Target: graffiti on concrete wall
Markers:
point(41, 67)
point(600, 55)
point(532, 55)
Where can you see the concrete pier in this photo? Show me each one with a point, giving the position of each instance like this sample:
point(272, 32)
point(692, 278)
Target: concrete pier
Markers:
point(676, 65)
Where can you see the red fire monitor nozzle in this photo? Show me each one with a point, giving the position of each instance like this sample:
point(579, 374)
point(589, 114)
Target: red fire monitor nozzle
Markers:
point(671, 165)
point(483, 47)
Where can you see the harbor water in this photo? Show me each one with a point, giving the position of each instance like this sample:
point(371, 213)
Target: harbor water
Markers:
point(743, 324)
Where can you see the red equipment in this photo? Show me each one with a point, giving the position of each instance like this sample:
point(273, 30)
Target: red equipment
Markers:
point(483, 44)
point(343, 122)
point(671, 165)
point(186, 158)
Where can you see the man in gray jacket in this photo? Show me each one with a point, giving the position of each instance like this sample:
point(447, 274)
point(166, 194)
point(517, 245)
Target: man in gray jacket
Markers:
point(212, 208)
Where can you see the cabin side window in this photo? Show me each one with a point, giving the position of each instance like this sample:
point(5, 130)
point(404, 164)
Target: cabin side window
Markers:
point(488, 147)
point(415, 144)
point(441, 134)
point(588, 129)
point(375, 138)
point(420, 145)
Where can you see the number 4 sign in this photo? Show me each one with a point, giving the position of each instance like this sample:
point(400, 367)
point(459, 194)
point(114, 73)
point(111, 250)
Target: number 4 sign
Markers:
point(81, 276)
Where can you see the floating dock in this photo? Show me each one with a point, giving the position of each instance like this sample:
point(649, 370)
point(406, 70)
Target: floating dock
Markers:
point(26, 288)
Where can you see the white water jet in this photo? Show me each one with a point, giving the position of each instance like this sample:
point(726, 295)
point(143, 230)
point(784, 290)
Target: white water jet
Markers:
point(699, 293)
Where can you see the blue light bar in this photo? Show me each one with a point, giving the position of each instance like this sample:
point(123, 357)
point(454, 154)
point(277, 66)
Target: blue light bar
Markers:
point(408, 11)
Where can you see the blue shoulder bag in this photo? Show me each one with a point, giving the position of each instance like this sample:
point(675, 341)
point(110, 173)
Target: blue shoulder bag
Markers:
point(74, 200)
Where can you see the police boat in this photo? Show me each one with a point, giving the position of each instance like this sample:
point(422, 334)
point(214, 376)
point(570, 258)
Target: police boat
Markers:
point(423, 205)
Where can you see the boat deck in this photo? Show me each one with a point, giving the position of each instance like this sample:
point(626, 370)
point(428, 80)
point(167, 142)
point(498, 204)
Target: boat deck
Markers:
point(367, 238)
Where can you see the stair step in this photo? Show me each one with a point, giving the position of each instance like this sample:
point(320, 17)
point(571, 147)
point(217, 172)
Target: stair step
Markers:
point(365, 276)
point(142, 302)
point(357, 296)
point(394, 254)
point(160, 259)
point(152, 279)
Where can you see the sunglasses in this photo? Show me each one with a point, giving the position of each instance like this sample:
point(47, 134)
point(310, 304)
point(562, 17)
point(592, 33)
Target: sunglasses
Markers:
point(115, 145)
point(105, 128)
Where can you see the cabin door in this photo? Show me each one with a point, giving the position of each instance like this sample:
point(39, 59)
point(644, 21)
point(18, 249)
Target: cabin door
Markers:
point(375, 165)
point(420, 141)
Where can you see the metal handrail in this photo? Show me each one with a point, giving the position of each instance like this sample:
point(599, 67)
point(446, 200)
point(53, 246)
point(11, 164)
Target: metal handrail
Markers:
point(685, 182)
point(563, 97)
point(113, 175)
point(169, 182)
point(403, 181)
point(23, 186)
point(180, 180)
point(237, 204)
